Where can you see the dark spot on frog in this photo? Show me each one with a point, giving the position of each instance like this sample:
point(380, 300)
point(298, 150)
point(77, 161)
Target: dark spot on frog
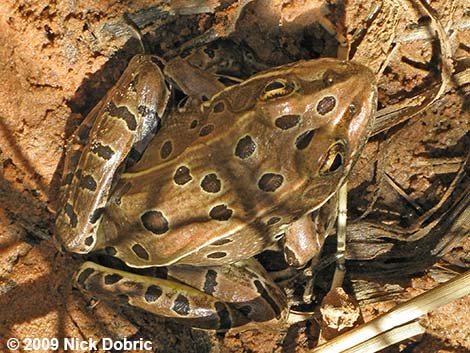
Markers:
point(96, 215)
point(88, 182)
point(88, 240)
point(270, 182)
point(265, 295)
point(181, 305)
point(182, 175)
point(245, 147)
point(286, 122)
point(273, 220)
point(110, 250)
point(111, 279)
point(83, 276)
point(155, 222)
point(140, 251)
point(152, 294)
point(222, 242)
point(102, 151)
point(71, 214)
point(220, 213)
point(68, 179)
point(210, 282)
point(83, 132)
point(166, 149)
point(326, 105)
point(211, 183)
point(224, 316)
point(217, 255)
point(122, 299)
point(304, 139)
point(206, 130)
point(219, 107)
point(245, 310)
point(193, 124)
point(122, 113)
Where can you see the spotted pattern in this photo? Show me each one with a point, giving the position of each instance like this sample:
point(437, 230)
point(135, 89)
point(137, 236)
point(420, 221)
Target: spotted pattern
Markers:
point(194, 124)
point(245, 147)
point(224, 316)
point(140, 251)
point(210, 183)
point(217, 255)
point(286, 122)
point(102, 151)
point(68, 179)
point(124, 114)
point(152, 294)
point(83, 276)
point(83, 132)
point(181, 305)
point(304, 139)
point(88, 240)
point(273, 220)
point(182, 175)
point(88, 182)
point(219, 107)
point(122, 299)
point(210, 282)
point(206, 130)
point(222, 242)
point(71, 214)
point(220, 213)
point(155, 222)
point(96, 215)
point(326, 105)
point(166, 149)
point(111, 279)
point(110, 250)
point(265, 295)
point(270, 182)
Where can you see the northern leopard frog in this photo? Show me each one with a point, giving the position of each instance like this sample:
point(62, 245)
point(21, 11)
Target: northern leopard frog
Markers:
point(220, 182)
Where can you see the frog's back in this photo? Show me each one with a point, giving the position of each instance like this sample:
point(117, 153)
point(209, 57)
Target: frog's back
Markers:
point(219, 185)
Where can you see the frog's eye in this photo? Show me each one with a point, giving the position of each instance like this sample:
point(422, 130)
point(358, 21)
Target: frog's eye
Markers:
point(277, 88)
point(334, 158)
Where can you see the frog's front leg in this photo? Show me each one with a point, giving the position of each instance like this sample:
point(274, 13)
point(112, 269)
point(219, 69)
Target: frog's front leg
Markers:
point(116, 130)
point(216, 298)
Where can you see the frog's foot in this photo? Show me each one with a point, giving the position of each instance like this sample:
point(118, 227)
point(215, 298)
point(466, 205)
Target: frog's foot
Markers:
point(216, 298)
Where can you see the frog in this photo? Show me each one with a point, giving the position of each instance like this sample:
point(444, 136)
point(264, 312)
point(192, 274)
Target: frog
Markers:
point(194, 191)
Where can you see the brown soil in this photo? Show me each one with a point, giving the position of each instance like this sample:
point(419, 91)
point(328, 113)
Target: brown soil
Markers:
point(57, 59)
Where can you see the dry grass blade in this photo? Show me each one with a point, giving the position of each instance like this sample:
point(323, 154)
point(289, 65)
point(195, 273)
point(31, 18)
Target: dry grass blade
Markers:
point(388, 338)
point(454, 289)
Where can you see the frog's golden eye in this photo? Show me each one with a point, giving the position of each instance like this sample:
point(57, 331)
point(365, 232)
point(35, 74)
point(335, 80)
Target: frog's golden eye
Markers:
point(330, 77)
point(277, 88)
point(334, 158)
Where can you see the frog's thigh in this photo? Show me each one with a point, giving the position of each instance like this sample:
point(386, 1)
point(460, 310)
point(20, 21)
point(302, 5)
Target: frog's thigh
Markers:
point(218, 303)
point(123, 121)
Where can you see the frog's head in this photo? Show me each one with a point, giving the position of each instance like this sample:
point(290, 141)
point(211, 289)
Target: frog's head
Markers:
point(320, 114)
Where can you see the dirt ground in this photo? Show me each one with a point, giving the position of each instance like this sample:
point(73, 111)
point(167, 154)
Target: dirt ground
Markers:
point(59, 58)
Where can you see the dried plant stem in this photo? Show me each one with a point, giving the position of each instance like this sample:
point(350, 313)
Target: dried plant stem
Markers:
point(443, 294)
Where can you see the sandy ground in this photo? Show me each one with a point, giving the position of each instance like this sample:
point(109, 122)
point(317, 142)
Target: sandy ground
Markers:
point(57, 59)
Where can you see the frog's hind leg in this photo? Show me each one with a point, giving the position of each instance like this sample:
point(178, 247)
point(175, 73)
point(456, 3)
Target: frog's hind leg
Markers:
point(216, 298)
point(120, 126)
